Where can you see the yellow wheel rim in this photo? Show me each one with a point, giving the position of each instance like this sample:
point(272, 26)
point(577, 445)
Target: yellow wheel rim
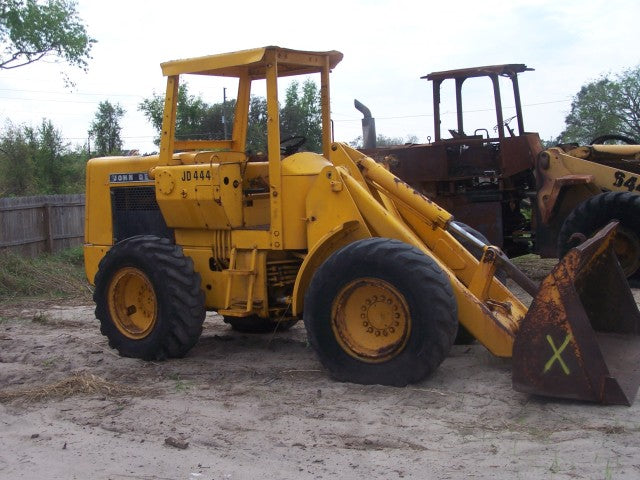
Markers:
point(132, 303)
point(627, 246)
point(370, 320)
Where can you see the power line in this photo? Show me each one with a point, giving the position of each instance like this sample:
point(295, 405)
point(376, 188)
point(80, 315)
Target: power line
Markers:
point(122, 136)
point(71, 93)
point(50, 100)
point(452, 112)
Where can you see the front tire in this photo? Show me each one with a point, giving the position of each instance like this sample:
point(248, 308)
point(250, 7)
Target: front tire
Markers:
point(379, 311)
point(596, 212)
point(148, 299)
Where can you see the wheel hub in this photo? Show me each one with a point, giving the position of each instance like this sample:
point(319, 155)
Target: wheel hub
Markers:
point(132, 303)
point(371, 320)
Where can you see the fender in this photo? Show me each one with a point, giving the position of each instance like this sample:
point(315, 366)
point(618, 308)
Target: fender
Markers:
point(335, 239)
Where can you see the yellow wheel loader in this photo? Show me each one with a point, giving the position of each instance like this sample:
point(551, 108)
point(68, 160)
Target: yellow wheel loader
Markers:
point(380, 274)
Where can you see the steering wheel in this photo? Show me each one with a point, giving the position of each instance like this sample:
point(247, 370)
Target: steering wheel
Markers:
point(621, 138)
point(290, 145)
point(506, 124)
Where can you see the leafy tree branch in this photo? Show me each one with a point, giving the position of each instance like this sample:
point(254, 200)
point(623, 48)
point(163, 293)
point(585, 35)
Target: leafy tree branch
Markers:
point(31, 30)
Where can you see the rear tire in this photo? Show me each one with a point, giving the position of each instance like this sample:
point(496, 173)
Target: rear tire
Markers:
point(148, 299)
point(596, 212)
point(379, 311)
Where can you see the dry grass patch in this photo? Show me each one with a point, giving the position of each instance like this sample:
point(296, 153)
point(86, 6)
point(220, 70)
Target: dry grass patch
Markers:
point(47, 276)
point(81, 383)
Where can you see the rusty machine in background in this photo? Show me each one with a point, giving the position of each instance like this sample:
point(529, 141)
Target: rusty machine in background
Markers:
point(502, 182)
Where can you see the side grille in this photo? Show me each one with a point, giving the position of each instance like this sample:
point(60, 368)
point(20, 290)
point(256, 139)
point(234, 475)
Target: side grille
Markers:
point(135, 212)
point(134, 198)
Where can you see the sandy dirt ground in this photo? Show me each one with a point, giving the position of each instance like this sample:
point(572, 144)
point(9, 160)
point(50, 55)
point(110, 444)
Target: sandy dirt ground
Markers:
point(261, 407)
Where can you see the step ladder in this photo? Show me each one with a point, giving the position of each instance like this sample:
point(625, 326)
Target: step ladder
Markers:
point(243, 307)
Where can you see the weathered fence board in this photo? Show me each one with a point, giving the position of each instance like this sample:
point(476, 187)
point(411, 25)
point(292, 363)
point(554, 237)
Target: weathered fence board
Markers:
point(45, 223)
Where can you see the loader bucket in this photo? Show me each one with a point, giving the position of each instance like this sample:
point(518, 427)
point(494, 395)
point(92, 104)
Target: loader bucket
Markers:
point(581, 336)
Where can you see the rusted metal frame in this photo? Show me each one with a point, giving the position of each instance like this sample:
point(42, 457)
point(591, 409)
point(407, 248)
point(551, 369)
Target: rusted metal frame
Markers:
point(469, 141)
point(516, 95)
point(459, 113)
point(483, 71)
point(498, 102)
point(436, 109)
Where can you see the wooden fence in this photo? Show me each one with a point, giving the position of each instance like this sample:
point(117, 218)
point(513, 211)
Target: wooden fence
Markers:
point(46, 223)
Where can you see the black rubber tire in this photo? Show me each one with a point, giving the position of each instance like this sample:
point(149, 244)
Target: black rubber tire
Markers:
point(605, 138)
point(255, 324)
point(596, 212)
point(180, 300)
point(426, 291)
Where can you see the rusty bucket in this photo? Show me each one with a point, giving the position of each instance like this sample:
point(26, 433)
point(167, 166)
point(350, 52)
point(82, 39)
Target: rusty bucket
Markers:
point(581, 336)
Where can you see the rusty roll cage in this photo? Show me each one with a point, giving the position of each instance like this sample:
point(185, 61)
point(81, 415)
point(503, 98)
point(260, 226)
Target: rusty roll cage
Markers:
point(510, 71)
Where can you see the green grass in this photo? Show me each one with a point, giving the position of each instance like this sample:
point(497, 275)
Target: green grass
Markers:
point(49, 276)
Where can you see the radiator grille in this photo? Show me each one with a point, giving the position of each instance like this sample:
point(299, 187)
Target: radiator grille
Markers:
point(136, 212)
point(134, 198)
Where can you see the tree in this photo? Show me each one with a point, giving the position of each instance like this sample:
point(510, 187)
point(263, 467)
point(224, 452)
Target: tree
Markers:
point(257, 128)
point(30, 31)
point(301, 114)
point(195, 119)
point(36, 160)
point(54, 166)
point(105, 129)
point(384, 141)
point(605, 106)
point(16, 163)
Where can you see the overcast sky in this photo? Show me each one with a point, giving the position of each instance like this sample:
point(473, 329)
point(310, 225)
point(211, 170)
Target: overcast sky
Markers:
point(387, 44)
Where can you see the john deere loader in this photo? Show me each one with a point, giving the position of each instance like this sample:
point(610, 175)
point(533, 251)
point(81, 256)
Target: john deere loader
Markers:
point(380, 274)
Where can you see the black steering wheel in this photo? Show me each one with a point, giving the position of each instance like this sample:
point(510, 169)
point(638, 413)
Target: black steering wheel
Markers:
point(290, 145)
point(621, 138)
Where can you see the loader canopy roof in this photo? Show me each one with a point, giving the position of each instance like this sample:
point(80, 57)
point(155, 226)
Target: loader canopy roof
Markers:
point(260, 65)
point(493, 72)
point(234, 64)
point(508, 70)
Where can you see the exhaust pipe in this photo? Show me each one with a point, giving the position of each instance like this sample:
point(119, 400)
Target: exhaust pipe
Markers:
point(368, 126)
